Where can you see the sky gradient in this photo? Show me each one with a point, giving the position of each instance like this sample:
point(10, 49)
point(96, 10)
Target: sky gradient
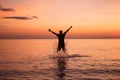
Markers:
point(33, 18)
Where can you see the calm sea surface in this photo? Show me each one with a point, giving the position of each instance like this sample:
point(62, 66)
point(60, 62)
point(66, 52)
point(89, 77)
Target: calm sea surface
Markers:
point(32, 59)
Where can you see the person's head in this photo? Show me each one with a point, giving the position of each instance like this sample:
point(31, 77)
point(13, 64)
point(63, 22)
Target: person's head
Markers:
point(60, 32)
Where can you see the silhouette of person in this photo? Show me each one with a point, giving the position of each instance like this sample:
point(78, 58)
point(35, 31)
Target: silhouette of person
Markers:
point(61, 37)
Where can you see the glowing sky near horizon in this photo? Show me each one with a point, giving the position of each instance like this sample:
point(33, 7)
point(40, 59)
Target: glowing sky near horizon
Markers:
point(89, 18)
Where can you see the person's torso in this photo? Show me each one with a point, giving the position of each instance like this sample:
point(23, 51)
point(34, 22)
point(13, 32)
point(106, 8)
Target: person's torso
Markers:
point(61, 38)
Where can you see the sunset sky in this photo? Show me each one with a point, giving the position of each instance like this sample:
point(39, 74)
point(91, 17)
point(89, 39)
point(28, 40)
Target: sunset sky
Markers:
point(33, 18)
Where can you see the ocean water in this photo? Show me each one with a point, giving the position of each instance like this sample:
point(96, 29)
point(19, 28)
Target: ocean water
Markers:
point(87, 59)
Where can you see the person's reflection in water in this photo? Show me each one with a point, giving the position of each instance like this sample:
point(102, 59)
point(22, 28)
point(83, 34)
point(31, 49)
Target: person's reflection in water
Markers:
point(61, 66)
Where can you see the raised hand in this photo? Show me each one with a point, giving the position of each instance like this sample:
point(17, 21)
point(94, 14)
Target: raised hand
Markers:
point(70, 26)
point(67, 29)
point(52, 31)
point(49, 30)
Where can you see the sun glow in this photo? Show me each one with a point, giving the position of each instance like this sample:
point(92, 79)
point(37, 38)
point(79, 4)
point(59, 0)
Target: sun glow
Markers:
point(32, 19)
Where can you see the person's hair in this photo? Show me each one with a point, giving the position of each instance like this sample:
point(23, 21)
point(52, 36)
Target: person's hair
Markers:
point(60, 31)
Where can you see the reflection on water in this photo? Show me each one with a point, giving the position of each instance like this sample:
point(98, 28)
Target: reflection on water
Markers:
point(86, 60)
point(61, 66)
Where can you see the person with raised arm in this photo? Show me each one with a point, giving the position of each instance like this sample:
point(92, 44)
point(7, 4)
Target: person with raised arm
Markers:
point(61, 37)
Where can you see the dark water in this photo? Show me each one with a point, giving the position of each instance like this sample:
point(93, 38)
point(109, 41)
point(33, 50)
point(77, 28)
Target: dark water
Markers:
point(32, 59)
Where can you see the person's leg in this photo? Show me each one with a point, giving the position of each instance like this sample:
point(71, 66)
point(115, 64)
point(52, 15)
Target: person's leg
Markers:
point(63, 48)
point(59, 48)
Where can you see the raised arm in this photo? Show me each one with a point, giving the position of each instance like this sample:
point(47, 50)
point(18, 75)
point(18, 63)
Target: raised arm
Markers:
point(52, 32)
point(67, 29)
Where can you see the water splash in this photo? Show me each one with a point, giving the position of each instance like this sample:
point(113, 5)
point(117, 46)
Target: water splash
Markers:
point(59, 53)
point(65, 54)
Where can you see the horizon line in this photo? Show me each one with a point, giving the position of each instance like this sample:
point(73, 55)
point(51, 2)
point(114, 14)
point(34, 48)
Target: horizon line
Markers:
point(56, 38)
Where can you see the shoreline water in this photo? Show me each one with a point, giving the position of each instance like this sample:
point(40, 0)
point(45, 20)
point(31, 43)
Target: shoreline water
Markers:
point(90, 59)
